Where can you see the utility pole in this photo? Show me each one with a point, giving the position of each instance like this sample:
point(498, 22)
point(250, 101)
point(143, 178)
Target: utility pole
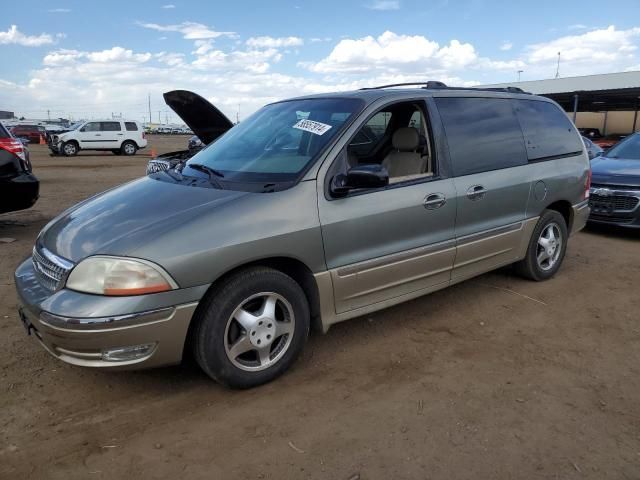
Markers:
point(238, 114)
point(149, 108)
point(159, 121)
point(519, 72)
point(49, 115)
point(558, 67)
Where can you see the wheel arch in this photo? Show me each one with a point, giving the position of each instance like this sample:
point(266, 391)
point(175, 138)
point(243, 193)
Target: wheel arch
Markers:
point(290, 266)
point(564, 208)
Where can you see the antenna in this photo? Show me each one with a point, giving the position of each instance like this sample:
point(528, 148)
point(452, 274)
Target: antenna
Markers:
point(558, 67)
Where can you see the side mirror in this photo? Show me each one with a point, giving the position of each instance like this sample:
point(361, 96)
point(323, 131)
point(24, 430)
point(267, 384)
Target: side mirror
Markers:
point(363, 176)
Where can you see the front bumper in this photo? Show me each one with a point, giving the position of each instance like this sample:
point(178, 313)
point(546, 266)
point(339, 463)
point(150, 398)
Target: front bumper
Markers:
point(83, 329)
point(617, 206)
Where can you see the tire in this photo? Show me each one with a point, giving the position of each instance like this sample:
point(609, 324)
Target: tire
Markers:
point(244, 297)
point(70, 149)
point(549, 243)
point(128, 148)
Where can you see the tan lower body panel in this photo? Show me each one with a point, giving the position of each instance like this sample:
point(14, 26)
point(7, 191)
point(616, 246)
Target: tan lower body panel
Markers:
point(359, 289)
point(478, 254)
point(375, 281)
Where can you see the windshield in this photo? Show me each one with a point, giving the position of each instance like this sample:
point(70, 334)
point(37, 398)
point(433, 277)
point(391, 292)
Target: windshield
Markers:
point(629, 148)
point(276, 143)
point(76, 125)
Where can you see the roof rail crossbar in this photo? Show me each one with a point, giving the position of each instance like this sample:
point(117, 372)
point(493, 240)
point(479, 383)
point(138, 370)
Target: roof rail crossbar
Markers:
point(429, 84)
point(504, 89)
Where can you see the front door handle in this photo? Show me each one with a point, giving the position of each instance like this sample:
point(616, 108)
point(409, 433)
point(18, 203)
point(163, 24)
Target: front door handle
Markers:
point(98, 135)
point(476, 192)
point(434, 200)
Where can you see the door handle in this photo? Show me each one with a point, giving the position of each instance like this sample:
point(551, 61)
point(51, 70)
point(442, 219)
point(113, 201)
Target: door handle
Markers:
point(121, 134)
point(434, 200)
point(476, 192)
point(98, 135)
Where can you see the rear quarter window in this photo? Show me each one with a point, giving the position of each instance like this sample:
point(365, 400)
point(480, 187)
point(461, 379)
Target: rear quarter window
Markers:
point(131, 126)
point(483, 134)
point(547, 130)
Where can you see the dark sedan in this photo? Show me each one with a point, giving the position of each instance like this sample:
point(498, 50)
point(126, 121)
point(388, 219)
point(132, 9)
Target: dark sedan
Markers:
point(615, 185)
point(18, 186)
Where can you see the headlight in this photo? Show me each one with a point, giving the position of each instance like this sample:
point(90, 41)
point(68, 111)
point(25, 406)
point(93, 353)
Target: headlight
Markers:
point(119, 276)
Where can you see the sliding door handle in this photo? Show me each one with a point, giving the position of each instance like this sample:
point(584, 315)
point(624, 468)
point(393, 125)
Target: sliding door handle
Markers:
point(476, 192)
point(434, 200)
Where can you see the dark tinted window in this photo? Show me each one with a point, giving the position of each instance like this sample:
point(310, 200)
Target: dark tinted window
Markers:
point(548, 132)
point(111, 126)
point(483, 134)
point(3, 132)
point(131, 126)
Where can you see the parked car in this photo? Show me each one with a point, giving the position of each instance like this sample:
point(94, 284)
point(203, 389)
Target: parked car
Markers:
point(596, 137)
point(122, 137)
point(19, 188)
point(33, 132)
point(238, 251)
point(593, 150)
point(615, 192)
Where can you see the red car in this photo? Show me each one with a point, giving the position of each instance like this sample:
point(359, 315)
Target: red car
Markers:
point(32, 132)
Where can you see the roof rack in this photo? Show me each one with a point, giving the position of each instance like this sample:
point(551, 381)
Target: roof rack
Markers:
point(429, 84)
point(434, 84)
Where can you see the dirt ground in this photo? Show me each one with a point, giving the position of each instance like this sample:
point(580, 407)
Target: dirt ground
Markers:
point(495, 378)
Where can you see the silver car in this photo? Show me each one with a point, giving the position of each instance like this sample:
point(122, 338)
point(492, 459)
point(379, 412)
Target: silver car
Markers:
point(312, 211)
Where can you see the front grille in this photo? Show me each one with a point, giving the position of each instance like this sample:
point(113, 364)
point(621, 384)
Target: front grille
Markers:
point(50, 269)
point(614, 187)
point(613, 202)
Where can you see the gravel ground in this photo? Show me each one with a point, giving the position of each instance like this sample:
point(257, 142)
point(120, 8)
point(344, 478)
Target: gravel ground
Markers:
point(496, 377)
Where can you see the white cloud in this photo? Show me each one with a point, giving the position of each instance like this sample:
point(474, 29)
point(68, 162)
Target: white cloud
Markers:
point(15, 36)
point(189, 30)
point(384, 5)
point(391, 52)
point(606, 49)
point(506, 46)
point(59, 10)
point(577, 26)
point(113, 55)
point(318, 39)
point(271, 42)
point(168, 6)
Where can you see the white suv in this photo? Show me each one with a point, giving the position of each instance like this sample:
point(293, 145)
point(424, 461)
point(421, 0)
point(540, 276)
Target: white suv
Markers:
point(122, 137)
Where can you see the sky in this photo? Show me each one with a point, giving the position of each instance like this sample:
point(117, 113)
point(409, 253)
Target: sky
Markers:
point(80, 59)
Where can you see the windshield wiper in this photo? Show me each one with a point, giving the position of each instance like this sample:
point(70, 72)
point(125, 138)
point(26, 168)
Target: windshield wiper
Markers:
point(212, 172)
point(203, 168)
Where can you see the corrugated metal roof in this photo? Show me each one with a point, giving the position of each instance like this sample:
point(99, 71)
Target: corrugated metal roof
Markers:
point(605, 81)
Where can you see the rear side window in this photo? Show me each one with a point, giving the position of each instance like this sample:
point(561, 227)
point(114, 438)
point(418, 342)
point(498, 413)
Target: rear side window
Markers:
point(3, 132)
point(111, 126)
point(483, 134)
point(548, 132)
point(131, 126)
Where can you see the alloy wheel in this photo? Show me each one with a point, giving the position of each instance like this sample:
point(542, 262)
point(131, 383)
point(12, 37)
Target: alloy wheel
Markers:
point(259, 331)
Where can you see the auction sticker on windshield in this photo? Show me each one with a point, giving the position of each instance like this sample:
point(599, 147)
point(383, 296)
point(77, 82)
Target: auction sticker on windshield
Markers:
point(313, 127)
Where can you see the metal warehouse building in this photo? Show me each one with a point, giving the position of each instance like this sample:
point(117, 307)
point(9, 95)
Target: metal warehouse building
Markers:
point(608, 102)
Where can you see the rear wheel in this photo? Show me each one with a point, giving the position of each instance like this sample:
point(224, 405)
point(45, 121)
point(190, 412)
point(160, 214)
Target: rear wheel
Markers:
point(251, 329)
point(129, 148)
point(69, 149)
point(547, 247)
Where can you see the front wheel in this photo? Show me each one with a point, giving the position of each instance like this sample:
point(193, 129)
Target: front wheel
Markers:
point(251, 328)
point(70, 149)
point(547, 247)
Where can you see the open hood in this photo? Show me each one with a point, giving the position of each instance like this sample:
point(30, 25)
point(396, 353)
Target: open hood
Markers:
point(205, 120)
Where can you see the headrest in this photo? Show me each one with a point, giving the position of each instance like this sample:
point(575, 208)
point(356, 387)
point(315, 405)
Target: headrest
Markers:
point(406, 139)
